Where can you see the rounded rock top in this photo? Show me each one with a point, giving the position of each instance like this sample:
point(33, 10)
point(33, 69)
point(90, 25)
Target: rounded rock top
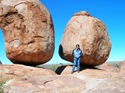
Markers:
point(82, 13)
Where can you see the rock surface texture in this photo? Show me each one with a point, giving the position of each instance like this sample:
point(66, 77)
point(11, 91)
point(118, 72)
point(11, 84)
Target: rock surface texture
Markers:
point(24, 79)
point(122, 67)
point(92, 36)
point(28, 31)
point(104, 80)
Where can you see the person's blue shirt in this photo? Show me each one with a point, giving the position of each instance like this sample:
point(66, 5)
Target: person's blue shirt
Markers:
point(77, 53)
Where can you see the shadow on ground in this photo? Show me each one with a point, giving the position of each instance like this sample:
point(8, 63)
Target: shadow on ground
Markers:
point(60, 69)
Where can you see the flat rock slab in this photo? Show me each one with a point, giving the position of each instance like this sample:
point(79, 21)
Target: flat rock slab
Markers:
point(16, 71)
point(45, 84)
point(112, 85)
point(25, 79)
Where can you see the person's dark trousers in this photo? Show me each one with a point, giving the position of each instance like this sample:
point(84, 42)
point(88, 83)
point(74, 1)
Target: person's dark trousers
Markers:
point(76, 62)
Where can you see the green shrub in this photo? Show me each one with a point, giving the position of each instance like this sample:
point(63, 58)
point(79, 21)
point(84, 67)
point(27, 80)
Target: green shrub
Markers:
point(2, 82)
point(116, 65)
point(54, 67)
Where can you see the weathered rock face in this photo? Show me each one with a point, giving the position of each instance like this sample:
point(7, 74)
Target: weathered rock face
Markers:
point(25, 79)
point(36, 84)
point(100, 80)
point(108, 67)
point(111, 85)
point(28, 31)
point(92, 36)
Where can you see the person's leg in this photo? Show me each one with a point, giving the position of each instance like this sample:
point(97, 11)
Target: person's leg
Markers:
point(74, 64)
point(78, 64)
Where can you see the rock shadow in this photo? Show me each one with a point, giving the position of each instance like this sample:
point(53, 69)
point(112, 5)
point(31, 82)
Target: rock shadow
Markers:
point(61, 53)
point(60, 69)
point(83, 67)
point(0, 63)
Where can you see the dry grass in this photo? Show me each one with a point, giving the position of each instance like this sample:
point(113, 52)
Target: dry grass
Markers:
point(2, 82)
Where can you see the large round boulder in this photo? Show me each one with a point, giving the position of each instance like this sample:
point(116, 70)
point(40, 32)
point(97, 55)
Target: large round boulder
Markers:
point(28, 31)
point(91, 34)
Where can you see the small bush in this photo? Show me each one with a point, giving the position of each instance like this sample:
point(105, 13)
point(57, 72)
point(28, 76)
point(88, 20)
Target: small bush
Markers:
point(116, 65)
point(54, 67)
point(2, 82)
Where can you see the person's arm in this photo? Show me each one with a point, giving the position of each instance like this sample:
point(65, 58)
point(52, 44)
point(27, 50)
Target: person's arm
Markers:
point(81, 54)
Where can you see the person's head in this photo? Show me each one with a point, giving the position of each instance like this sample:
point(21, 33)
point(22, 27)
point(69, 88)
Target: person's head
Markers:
point(77, 46)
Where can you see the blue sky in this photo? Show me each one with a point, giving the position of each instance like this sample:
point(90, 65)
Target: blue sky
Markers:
point(111, 12)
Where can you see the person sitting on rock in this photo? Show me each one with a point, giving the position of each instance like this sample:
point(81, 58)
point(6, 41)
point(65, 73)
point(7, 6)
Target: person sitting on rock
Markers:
point(77, 54)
